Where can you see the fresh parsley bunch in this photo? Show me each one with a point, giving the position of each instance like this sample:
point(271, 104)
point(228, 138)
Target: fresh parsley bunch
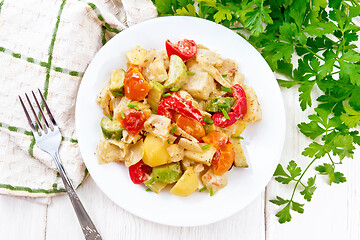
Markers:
point(321, 35)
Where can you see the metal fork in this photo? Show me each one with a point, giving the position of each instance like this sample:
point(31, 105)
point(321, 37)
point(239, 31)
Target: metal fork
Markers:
point(48, 138)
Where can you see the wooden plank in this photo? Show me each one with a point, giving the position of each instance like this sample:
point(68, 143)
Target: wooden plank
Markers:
point(22, 219)
point(334, 212)
point(62, 222)
point(115, 223)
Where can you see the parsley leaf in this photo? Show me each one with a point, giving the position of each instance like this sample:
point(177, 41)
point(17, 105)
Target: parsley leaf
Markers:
point(164, 6)
point(351, 118)
point(284, 214)
point(328, 169)
point(223, 14)
point(314, 150)
point(279, 201)
point(255, 17)
point(285, 178)
point(309, 189)
point(311, 129)
point(297, 207)
point(342, 146)
point(320, 28)
point(188, 10)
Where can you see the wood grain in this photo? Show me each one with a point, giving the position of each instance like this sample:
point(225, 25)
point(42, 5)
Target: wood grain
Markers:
point(21, 219)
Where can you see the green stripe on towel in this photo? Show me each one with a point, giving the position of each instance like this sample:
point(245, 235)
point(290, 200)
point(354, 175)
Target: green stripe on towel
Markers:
point(100, 17)
point(51, 49)
point(31, 190)
point(29, 133)
point(41, 63)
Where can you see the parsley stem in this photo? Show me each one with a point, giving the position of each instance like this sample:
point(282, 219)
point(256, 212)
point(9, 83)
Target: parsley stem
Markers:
point(299, 180)
point(317, 55)
point(332, 161)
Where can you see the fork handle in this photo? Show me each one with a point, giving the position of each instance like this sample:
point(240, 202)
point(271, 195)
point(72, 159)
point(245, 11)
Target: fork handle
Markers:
point(87, 226)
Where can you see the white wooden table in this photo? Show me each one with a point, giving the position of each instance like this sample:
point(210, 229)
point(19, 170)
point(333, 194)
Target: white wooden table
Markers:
point(334, 212)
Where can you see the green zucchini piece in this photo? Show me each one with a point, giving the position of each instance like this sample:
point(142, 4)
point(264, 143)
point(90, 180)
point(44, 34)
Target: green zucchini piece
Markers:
point(168, 173)
point(177, 73)
point(219, 104)
point(111, 129)
point(156, 186)
point(155, 94)
point(117, 80)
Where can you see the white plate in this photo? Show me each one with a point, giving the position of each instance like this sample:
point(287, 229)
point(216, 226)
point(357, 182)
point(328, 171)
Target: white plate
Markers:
point(263, 140)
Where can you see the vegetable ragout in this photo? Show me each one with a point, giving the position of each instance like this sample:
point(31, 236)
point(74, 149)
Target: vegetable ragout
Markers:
point(174, 118)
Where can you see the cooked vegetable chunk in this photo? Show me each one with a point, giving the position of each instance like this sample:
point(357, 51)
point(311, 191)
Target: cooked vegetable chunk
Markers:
point(253, 107)
point(117, 80)
point(156, 71)
point(156, 186)
point(111, 128)
point(108, 152)
point(168, 173)
point(240, 159)
point(214, 182)
point(199, 85)
point(155, 152)
point(240, 127)
point(136, 55)
point(204, 157)
point(208, 56)
point(155, 94)
point(187, 184)
point(177, 73)
point(158, 125)
point(218, 104)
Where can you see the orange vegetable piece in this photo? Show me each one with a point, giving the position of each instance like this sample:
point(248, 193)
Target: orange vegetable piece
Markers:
point(135, 86)
point(216, 139)
point(223, 159)
point(191, 126)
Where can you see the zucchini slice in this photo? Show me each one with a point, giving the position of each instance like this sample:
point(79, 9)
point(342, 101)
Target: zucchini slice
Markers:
point(111, 129)
point(168, 173)
point(177, 73)
point(155, 94)
point(117, 80)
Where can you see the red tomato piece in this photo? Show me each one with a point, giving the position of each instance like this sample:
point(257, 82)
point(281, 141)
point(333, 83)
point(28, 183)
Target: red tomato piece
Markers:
point(133, 121)
point(191, 126)
point(174, 103)
point(216, 139)
point(135, 86)
point(223, 159)
point(185, 49)
point(138, 172)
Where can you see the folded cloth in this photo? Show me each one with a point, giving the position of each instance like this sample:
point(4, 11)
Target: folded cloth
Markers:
point(48, 44)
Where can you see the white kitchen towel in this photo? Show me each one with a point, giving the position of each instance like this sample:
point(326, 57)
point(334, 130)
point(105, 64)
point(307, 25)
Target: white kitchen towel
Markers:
point(48, 44)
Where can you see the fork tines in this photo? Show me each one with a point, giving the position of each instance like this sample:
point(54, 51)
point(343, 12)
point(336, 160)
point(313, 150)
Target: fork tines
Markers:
point(37, 123)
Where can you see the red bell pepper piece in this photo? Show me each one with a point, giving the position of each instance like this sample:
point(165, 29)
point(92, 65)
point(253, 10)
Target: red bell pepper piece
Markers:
point(138, 172)
point(174, 103)
point(239, 108)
